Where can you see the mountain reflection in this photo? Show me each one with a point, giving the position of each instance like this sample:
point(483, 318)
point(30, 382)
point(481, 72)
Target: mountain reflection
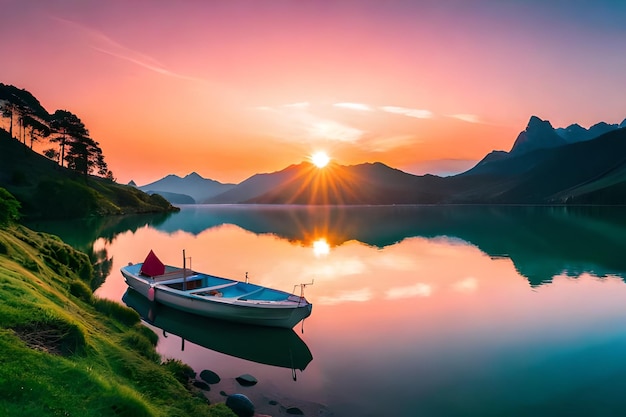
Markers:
point(541, 241)
point(82, 234)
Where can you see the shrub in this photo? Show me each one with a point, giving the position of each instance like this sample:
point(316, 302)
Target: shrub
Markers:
point(9, 208)
point(181, 371)
point(141, 344)
point(113, 309)
point(80, 290)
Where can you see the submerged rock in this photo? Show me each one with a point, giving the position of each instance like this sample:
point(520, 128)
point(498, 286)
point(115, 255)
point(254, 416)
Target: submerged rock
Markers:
point(240, 405)
point(202, 385)
point(210, 376)
point(246, 380)
point(295, 411)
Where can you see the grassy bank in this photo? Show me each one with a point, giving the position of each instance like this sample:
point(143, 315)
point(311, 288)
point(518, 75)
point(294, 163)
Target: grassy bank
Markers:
point(64, 352)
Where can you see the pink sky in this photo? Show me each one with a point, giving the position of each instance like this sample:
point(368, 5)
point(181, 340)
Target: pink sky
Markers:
point(232, 88)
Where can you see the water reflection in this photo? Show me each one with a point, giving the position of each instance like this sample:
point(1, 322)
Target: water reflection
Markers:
point(270, 346)
point(93, 235)
point(541, 241)
point(418, 310)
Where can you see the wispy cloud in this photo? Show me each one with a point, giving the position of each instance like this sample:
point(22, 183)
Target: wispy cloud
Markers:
point(418, 290)
point(104, 44)
point(353, 106)
point(417, 113)
point(470, 118)
point(386, 143)
point(361, 295)
point(468, 284)
point(298, 123)
point(298, 105)
point(334, 131)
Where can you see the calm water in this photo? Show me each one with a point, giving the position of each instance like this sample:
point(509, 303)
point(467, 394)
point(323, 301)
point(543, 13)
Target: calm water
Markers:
point(418, 311)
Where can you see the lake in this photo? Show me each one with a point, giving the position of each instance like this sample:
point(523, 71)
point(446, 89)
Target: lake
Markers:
point(417, 310)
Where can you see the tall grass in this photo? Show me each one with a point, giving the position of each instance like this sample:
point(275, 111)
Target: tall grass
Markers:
point(64, 352)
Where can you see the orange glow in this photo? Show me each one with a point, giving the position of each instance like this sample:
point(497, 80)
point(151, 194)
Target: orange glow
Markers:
point(230, 91)
point(321, 247)
point(320, 159)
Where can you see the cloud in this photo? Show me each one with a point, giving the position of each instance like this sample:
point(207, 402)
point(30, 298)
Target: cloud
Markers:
point(265, 108)
point(361, 295)
point(386, 143)
point(298, 105)
point(468, 284)
point(470, 118)
point(104, 44)
point(295, 122)
point(418, 290)
point(354, 106)
point(417, 113)
point(331, 130)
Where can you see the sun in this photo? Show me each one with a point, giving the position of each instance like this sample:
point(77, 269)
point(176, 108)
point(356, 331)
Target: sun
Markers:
point(320, 159)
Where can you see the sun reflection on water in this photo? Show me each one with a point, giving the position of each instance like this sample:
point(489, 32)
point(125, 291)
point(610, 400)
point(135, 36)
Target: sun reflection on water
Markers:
point(321, 247)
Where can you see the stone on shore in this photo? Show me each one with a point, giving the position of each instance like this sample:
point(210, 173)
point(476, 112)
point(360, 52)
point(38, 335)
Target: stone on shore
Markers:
point(246, 380)
point(240, 405)
point(210, 377)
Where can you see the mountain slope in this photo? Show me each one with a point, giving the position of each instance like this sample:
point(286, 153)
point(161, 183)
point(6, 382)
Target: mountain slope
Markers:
point(336, 185)
point(192, 185)
point(47, 190)
point(256, 185)
point(538, 134)
point(565, 174)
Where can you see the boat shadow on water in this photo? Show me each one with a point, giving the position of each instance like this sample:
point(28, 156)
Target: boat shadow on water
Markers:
point(265, 345)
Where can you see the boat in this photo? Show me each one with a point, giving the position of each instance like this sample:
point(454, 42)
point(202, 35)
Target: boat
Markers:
point(215, 297)
point(265, 345)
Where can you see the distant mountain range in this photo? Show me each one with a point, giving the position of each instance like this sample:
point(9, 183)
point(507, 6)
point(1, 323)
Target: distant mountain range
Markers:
point(188, 190)
point(571, 165)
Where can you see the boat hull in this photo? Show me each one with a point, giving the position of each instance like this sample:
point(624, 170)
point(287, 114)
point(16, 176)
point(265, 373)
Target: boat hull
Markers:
point(283, 313)
point(269, 346)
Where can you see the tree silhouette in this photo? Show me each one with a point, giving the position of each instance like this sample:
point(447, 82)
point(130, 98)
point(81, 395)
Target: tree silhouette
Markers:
point(66, 128)
point(85, 156)
point(76, 147)
point(38, 128)
point(8, 110)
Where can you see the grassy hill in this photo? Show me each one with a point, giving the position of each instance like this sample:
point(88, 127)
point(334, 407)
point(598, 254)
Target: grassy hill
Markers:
point(65, 352)
point(46, 190)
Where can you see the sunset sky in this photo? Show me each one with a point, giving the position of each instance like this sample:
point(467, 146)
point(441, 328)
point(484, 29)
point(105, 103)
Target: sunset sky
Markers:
point(232, 88)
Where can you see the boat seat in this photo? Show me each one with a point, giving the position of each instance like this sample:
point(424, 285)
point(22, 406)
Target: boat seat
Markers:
point(198, 291)
point(243, 297)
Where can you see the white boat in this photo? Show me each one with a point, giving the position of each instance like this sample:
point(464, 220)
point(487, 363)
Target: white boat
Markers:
point(216, 297)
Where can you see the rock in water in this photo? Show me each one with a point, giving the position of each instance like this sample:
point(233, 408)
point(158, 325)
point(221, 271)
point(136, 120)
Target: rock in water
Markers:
point(246, 380)
point(241, 405)
point(202, 385)
point(210, 376)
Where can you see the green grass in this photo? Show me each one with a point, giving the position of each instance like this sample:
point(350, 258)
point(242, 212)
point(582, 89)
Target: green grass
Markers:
point(64, 352)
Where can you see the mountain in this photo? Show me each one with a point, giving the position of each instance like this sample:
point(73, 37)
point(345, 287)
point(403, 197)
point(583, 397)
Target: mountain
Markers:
point(576, 133)
point(588, 172)
point(188, 190)
point(372, 183)
point(538, 134)
point(254, 186)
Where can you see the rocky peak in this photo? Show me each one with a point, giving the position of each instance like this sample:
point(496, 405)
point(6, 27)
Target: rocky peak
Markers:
point(538, 134)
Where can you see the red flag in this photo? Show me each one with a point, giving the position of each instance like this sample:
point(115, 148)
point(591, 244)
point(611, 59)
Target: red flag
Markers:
point(152, 266)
